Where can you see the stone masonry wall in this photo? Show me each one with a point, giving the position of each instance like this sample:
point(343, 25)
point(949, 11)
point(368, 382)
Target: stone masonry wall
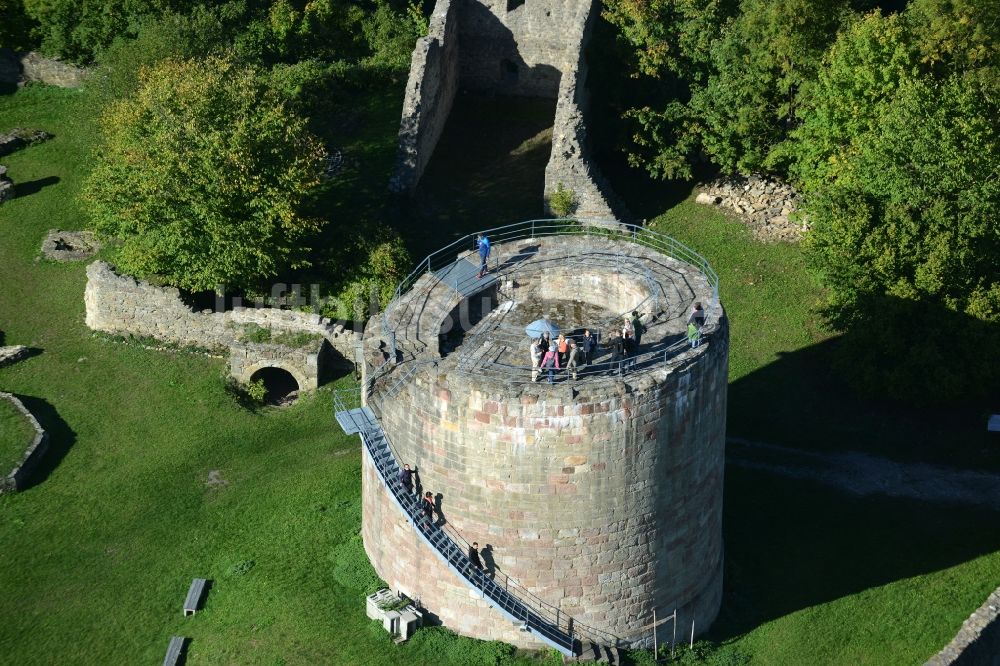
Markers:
point(978, 641)
point(604, 499)
point(570, 163)
point(533, 49)
point(522, 51)
point(122, 305)
point(22, 67)
point(430, 91)
point(17, 477)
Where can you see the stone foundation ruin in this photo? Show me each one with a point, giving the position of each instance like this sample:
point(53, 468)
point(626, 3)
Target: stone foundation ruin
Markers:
point(305, 345)
point(16, 479)
point(530, 48)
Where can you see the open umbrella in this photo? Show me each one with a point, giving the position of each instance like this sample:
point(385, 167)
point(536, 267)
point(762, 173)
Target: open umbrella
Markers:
point(536, 328)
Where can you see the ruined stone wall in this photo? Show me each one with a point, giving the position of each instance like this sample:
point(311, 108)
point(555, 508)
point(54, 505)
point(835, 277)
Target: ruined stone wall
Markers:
point(603, 498)
point(978, 641)
point(570, 163)
point(531, 48)
point(17, 477)
point(122, 305)
point(518, 51)
point(23, 67)
point(430, 91)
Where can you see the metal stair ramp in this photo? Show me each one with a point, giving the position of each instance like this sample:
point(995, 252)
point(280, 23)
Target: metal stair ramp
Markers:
point(363, 421)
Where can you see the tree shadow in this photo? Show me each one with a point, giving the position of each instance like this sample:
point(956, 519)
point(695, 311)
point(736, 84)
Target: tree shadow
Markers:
point(26, 189)
point(793, 544)
point(61, 438)
point(804, 400)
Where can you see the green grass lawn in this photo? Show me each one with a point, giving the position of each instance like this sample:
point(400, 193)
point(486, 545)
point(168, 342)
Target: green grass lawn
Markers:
point(815, 576)
point(16, 434)
point(99, 552)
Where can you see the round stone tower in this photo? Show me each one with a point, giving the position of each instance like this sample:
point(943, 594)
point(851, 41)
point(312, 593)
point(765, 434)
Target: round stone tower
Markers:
point(600, 496)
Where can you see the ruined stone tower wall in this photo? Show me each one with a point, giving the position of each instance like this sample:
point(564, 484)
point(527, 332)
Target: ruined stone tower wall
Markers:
point(508, 47)
point(430, 91)
point(604, 500)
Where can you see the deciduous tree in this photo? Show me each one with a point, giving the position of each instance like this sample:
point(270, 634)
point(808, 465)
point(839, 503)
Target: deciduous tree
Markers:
point(202, 176)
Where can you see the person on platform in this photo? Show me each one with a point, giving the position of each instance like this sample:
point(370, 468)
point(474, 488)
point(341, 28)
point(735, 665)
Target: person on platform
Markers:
point(550, 362)
point(573, 358)
point(483, 245)
point(537, 351)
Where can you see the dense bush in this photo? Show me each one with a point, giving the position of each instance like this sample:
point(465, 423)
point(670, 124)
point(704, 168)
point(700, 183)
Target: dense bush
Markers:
point(888, 123)
point(202, 176)
point(914, 216)
point(16, 27)
point(372, 284)
point(78, 29)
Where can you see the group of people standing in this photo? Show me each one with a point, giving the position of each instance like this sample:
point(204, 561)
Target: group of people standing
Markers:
point(567, 354)
point(562, 354)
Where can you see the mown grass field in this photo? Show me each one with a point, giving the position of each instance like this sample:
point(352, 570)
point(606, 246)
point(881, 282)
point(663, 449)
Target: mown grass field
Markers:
point(157, 476)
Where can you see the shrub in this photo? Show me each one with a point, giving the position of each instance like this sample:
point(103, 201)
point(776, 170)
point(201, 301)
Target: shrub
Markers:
point(563, 202)
point(202, 176)
point(257, 391)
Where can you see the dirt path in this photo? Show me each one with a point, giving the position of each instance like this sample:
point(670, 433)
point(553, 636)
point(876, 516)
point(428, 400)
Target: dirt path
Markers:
point(862, 474)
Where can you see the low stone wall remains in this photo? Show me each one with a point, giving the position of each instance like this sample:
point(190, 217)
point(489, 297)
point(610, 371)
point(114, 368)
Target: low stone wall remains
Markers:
point(17, 477)
point(24, 67)
point(978, 641)
point(767, 205)
point(122, 305)
point(430, 92)
point(12, 354)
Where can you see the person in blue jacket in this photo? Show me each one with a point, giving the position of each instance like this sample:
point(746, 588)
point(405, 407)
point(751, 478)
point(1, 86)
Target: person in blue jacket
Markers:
point(483, 245)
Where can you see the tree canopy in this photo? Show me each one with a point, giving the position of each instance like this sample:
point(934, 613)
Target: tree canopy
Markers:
point(203, 175)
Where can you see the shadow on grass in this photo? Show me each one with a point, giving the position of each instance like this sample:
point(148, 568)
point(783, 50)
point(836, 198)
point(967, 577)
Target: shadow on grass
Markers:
point(26, 189)
point(61, 438)
point(793, 544)
point(802, 400)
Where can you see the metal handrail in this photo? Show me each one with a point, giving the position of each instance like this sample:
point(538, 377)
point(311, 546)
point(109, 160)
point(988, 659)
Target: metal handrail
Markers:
point(540, 228)
point(540, 617)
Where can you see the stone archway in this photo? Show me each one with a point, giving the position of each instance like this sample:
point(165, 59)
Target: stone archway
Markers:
point(278, 381)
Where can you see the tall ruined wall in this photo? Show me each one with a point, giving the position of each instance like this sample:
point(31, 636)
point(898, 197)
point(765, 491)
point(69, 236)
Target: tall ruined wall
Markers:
point(430, 91)
point(531, 48)
point(520, 51)
point(570, 163)
point(122, 305)
point(604, 499)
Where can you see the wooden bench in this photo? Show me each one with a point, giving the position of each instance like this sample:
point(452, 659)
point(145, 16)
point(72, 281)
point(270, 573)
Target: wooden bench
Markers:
point(194, 596)
point(174, 651)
